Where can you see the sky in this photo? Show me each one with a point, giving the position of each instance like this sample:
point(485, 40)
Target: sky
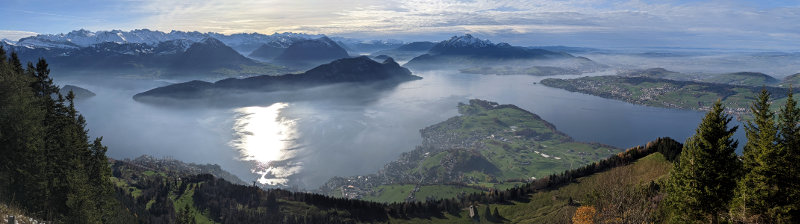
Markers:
point(732, 24)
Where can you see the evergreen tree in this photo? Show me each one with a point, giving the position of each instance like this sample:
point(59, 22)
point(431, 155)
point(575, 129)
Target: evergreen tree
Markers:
point(186, 216)
point(2, 54)
point(48, 166)
point(20, 137)
point(99, 171)
point(703, 179)
point(762, 134)
point(790, 143)
point(755, 189)
point(16, 64)
point(764, 193)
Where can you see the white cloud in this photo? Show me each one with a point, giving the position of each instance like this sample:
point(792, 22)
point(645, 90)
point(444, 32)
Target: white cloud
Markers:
point(699, 22)
point(15, 34)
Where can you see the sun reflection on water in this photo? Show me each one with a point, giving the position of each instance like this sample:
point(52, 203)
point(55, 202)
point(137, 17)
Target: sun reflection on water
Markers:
point(265, 137)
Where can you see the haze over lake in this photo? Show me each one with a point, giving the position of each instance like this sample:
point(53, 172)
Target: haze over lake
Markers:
point(305, 143)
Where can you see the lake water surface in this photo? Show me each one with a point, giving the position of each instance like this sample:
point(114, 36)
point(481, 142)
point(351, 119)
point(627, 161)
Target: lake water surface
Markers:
point(304, 143)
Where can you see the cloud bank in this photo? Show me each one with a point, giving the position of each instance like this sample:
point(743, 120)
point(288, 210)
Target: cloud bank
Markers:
point(595, 23)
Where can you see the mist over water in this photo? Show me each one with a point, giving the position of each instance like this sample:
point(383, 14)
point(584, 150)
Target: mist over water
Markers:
point(776, 64)
point(304, 143)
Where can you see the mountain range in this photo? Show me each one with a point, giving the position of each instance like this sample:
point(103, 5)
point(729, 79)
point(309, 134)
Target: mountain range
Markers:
point(244, 43)
point(177, 54)
point(208, 57)
point(151, 53)
point(467, 51)
point(309, 53)
point(83, 38)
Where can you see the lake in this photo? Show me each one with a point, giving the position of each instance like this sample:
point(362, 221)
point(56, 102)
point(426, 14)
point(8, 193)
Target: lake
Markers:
point(303, 143)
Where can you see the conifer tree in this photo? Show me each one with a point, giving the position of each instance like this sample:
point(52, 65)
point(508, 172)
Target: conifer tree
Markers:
point(20, 136)
point(2, 55)
point(757, 192)
point(48, 166)
point(185, 216)
point(790, 143)
point(703, 179)
point(768, 192)
point(762, 134)
point(15, 63)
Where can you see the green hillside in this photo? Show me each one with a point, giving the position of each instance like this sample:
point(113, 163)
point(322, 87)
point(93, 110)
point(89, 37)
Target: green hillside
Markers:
point(743, 79)
point(488, 146)
point(756, 79)
point(634, 190)
point(668, 93)
point(793, 80)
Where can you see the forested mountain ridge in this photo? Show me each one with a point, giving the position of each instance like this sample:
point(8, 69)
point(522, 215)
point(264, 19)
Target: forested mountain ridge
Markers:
point(668, 93)
point(755, 79)
point(347, 70)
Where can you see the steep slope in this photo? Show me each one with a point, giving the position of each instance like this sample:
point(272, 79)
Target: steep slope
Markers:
point(210, 54)
point(268, 51)
point(348, 70)
point(488, 146)
point(793, 80)
point(467, 51)
point(629, 193)
point(308, 52)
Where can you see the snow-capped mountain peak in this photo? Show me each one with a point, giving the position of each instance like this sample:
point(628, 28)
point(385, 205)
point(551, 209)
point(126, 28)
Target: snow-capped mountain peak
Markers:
point(8, 42)
point(85, 38)
point(466, 40)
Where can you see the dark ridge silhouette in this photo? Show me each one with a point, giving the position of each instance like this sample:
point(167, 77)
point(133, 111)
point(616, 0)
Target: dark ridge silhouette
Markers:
point(347, 70)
